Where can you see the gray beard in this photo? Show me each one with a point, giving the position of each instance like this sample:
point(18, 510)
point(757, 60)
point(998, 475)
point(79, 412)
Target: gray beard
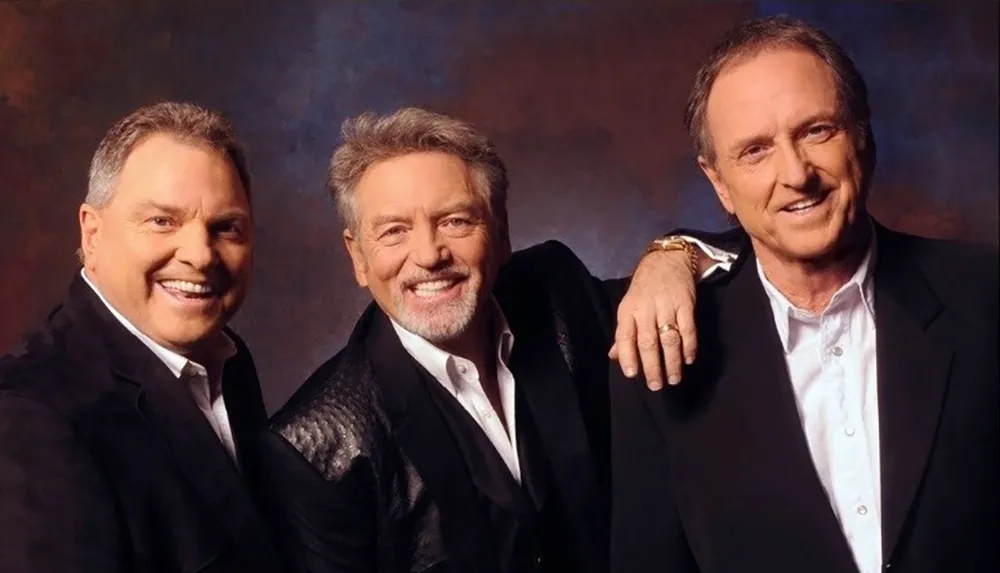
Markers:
point(448, 323)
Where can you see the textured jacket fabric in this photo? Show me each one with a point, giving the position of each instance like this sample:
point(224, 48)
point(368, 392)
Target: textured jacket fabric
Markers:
point(367, 472)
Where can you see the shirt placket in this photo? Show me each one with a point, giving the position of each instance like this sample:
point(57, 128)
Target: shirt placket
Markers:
point(487, 418)
point(850, 461)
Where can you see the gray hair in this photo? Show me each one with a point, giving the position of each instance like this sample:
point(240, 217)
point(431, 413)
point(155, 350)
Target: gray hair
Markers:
point(370, 138)
point(186, 122)
point(755, 36)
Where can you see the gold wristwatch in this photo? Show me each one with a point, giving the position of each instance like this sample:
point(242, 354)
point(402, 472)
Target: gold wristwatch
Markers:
point(675, 243)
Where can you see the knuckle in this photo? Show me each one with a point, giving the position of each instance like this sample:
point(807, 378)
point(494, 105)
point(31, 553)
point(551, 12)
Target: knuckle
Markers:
point(645, 343)
point(671, 338)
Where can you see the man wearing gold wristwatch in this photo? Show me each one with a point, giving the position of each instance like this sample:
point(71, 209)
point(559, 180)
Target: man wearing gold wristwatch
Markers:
point(844, 412)
point(685, 257)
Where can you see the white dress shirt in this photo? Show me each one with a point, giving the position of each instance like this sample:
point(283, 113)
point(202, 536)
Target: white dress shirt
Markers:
point(723, 259)
point(461, 379)
point(832, 366)
point(207, 393)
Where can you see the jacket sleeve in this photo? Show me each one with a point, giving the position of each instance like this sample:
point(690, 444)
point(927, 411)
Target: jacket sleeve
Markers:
point(732, 241)
point(339, 493)
point(646, 532)
point(56, 510)
point(322, 525)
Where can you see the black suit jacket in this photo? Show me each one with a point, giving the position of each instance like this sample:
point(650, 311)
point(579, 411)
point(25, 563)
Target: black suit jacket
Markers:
point(368, 476)
point(107, 464)
point(716, 475)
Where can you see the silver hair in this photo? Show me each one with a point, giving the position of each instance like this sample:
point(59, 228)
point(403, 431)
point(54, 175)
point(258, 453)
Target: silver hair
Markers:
point(370, 138)
point(187, 122)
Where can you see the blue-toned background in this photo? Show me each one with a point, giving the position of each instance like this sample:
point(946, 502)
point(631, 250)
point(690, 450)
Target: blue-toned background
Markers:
point(583, 98)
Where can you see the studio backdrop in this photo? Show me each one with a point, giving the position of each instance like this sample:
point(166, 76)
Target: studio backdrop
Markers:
point(583, 98)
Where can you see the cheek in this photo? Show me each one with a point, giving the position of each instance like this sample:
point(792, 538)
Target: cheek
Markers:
point(385, 263)
point(752, 190)
point(137, 255)
point(839, 163)
point(237, 259)
point(476, 253)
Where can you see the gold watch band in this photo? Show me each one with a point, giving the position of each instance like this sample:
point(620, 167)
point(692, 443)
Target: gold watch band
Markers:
point(674, 243)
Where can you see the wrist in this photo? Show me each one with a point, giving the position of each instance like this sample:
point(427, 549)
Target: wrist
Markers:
point(696, 262)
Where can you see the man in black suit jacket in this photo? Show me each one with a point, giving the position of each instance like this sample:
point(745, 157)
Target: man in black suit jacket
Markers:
point(129, 422)
point(413, 449)
point(844, 412)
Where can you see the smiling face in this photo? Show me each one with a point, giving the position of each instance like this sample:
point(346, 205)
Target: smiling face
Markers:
point(424, 245)
point(171, 251)
point(787, 164)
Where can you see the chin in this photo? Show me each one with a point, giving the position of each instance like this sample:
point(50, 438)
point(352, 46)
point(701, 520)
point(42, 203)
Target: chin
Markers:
point(190, 336)
point(437, 329)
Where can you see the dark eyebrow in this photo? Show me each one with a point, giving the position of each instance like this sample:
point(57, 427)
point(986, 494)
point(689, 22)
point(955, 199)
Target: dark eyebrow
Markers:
point(464, 205)
point(230, 215)
point(799, 127)
point(386, 219)
point(742, 144)
point(154, 206)
point(817, 118)
point(455, 207)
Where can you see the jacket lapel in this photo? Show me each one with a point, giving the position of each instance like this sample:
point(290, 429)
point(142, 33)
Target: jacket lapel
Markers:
point(201, 458)
point(425, 437)
point(188, 440)
point(541, 373)
point(735, 438)
point(245, 407)
point(913, 366)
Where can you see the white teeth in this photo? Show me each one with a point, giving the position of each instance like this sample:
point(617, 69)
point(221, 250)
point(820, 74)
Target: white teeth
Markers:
point(804, 204)
point(432, 288)
point(188, 287)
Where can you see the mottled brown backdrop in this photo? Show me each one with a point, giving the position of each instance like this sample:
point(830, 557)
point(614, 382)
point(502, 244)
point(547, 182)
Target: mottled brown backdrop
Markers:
point(583, 98)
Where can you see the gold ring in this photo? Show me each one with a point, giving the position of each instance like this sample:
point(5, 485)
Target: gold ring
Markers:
point(667, 328)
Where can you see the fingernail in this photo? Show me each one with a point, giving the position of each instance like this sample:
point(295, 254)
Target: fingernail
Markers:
point(655, 386)
point(689, 360)
point(630, 372)
point(674, 380)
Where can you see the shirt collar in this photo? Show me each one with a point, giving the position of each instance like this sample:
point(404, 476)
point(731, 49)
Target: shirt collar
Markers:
point(861, 284)
point(440, 363)
point(176, 363)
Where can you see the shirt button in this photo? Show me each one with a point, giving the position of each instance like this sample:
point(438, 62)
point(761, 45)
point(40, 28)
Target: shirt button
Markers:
point(849, 432)
point(462, 369)
point(486, 414)
point(837, 351)
point(862, 510)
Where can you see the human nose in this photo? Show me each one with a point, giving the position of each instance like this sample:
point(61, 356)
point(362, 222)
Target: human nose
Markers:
point(196, 247)
point(795, 169)
point(428, 250)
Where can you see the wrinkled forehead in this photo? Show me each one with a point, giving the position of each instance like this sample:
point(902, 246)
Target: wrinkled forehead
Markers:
point(774, 87)
point(166, 170)
point(417, 183)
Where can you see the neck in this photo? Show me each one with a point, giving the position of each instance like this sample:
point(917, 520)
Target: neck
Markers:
point(205, 353)
point(810, 284)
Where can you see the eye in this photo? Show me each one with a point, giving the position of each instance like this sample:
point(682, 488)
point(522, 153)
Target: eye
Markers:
point(229, 229)
point(820, 132)
point(457, 222)
point(753, 153)
point(160, 221)
point(391, 232)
